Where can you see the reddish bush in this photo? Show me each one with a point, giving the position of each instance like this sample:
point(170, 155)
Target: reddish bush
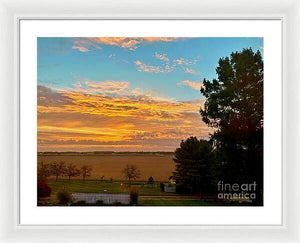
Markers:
point(43, 190)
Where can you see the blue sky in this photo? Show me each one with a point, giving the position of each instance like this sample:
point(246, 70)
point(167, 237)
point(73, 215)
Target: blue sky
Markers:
point(60, 66)
point(125, 94)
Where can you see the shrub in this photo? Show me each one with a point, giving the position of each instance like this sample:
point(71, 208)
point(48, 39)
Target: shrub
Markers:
point(151, 180)
point(162, 186)
point(43, 190)
point(79, 203)
point(99, 203)
point(134, 193)
point(64, 196)
point(116, 203)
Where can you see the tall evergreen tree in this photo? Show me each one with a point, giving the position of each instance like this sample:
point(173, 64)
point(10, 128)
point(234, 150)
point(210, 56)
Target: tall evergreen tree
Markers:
point(234, 108)
point(194, 161)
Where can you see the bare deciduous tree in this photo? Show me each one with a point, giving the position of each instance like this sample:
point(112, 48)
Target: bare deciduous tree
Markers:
point(131, 172)
point(44, 171)
point(72, 171)
point(86, 171)
point(58, 168)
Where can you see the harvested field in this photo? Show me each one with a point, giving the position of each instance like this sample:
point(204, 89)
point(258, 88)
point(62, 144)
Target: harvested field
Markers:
point(159, 166)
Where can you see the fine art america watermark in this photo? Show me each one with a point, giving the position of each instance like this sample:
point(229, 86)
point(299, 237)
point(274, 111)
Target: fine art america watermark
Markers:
point(237, 191)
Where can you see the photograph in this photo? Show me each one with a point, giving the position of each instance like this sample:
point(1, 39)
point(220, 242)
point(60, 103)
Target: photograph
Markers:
point(150, 121)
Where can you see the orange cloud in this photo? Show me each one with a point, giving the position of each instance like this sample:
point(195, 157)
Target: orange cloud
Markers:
point(80, 48)
point(193, 85)
point(130, 43)
point(85, 44)
point(79, 121)
point(94, 43)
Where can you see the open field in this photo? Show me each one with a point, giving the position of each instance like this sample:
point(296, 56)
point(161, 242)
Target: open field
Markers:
point(159, 166)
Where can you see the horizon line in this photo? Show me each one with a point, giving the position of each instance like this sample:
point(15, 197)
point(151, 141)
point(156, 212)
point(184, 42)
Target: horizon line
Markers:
point(106, 151)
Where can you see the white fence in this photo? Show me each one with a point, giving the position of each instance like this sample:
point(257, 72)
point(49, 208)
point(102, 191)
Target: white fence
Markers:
point(169, 188)
point(106, 198)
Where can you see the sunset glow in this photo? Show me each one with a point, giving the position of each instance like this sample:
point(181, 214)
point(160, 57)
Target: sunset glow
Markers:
point(125, 94)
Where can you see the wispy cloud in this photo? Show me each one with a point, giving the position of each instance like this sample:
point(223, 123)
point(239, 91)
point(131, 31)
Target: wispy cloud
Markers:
point(162, 57)
point(129, 43)
point(80, 48)
point(190, 71)
point(192, 84)
point(142, 67)
point(113, 88)
point(107, 87)
point(78, 85)
point(111, 55)
point(147, 95)
point(84, 44)
point(187, 62)
point(169, 65)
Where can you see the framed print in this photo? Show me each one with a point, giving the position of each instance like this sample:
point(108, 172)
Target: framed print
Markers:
point(126, 124)
point(137, 125)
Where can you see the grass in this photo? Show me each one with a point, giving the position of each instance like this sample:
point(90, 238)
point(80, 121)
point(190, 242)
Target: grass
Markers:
point(162, 202)
point(96, 186)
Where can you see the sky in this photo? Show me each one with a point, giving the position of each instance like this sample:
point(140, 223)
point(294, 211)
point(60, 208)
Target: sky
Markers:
point(125, 94)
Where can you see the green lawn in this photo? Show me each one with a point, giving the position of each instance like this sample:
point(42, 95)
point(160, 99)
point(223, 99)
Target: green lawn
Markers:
point(162, 202)
point(94, 186)
point(110, 187)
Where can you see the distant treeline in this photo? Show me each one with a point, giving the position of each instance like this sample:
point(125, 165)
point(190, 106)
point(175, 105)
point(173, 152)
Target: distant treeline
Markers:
point(105, 152)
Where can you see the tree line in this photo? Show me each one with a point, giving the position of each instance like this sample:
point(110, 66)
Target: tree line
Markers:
point(58, 169)
point(234, 109)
